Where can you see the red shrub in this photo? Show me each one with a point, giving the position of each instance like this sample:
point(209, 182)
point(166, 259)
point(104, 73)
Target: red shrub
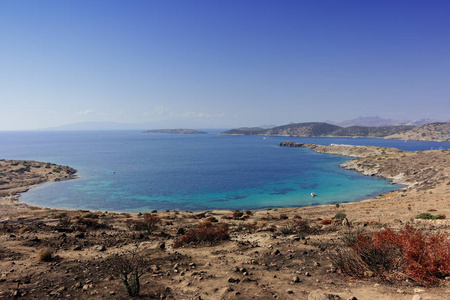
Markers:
point(149, 224)
point(326, 222)
point(425, 259)
point(212, 234)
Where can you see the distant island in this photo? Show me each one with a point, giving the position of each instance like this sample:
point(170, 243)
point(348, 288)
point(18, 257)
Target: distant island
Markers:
point(176, 131)
point(427, 132)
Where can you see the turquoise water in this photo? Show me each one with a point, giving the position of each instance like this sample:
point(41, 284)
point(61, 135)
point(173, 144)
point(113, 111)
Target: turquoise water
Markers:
point(192, 172)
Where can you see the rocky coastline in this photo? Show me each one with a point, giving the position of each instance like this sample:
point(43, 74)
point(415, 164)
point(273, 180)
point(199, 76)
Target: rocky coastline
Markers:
point(420, 169)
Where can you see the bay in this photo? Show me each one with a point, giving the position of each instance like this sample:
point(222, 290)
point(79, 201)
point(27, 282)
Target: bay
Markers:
point(131, 171)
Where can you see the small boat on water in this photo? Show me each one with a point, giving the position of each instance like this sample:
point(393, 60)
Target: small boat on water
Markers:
point(313, 194)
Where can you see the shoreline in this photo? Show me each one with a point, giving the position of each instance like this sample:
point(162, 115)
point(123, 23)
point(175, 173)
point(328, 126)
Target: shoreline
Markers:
point(19, 176)
point(360, 163)
point(265, 256)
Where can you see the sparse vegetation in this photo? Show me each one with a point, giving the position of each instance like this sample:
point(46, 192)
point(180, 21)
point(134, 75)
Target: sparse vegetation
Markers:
point(340, 216)
point(44, 255)
point(148, 224)
point(391, 256)
point(428, 216)
point(212, 234)
point(130, 267)
point(237, 215)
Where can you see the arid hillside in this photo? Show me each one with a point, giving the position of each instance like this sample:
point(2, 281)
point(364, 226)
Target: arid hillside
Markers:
point(427, 132)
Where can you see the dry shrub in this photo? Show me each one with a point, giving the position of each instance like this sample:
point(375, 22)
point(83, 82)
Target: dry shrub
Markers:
point(6, 227)
point(395, 256)
point(326, 222)
point(261, 224)
point(45, 254)
point(86, 223)
point(302, 227)
point(212, 234)
point(200, 215)
point(284, 217)
point(148, 224)
point(130, 267)
point(205, 224)
point(237, 215)
point(64, 222)
point(287, 229)
point(249, 212)
point(24, 229)
point(250, 227)
point(297, 217)
point(213, 219)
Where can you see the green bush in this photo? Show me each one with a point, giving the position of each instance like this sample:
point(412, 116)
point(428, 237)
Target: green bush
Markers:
point(340, 216)
point(428, 216)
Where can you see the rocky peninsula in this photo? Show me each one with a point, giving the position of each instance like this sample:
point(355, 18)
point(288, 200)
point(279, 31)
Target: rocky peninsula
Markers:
point(420, 169)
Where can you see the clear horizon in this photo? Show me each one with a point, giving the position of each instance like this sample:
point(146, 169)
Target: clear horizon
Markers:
point(222, 64)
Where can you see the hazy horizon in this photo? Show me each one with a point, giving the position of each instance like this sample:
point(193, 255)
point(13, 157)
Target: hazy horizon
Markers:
point(223, 64)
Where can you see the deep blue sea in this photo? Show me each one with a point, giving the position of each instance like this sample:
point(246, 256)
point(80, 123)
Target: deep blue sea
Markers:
point(131, 171)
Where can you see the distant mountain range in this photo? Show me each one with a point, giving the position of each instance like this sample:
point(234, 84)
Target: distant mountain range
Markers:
point(435, 131)
point(120, 126)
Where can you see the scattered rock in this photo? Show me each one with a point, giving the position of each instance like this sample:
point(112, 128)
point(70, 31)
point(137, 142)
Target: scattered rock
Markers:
point(100, 248)
point(80, 235)
point(345, 222)
point(320, 295)
point(417, 297)
point(233, 280)
point(368, 274)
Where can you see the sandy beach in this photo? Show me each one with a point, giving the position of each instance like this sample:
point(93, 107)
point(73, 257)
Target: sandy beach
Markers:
point(280, 253)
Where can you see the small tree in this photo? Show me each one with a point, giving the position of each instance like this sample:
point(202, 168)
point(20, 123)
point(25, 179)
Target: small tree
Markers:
point(131, 266)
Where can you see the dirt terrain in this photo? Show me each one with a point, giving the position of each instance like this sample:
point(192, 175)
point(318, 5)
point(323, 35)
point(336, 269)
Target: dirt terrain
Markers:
point(272, 254)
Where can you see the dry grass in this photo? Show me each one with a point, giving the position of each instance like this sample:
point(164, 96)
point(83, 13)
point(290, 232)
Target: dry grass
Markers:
point(45, 255)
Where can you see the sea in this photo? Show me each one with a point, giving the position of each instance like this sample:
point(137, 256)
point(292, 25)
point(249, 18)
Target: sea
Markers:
point(133, 171)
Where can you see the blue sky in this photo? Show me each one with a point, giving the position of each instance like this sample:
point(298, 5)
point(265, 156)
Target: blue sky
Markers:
point(221, 63)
